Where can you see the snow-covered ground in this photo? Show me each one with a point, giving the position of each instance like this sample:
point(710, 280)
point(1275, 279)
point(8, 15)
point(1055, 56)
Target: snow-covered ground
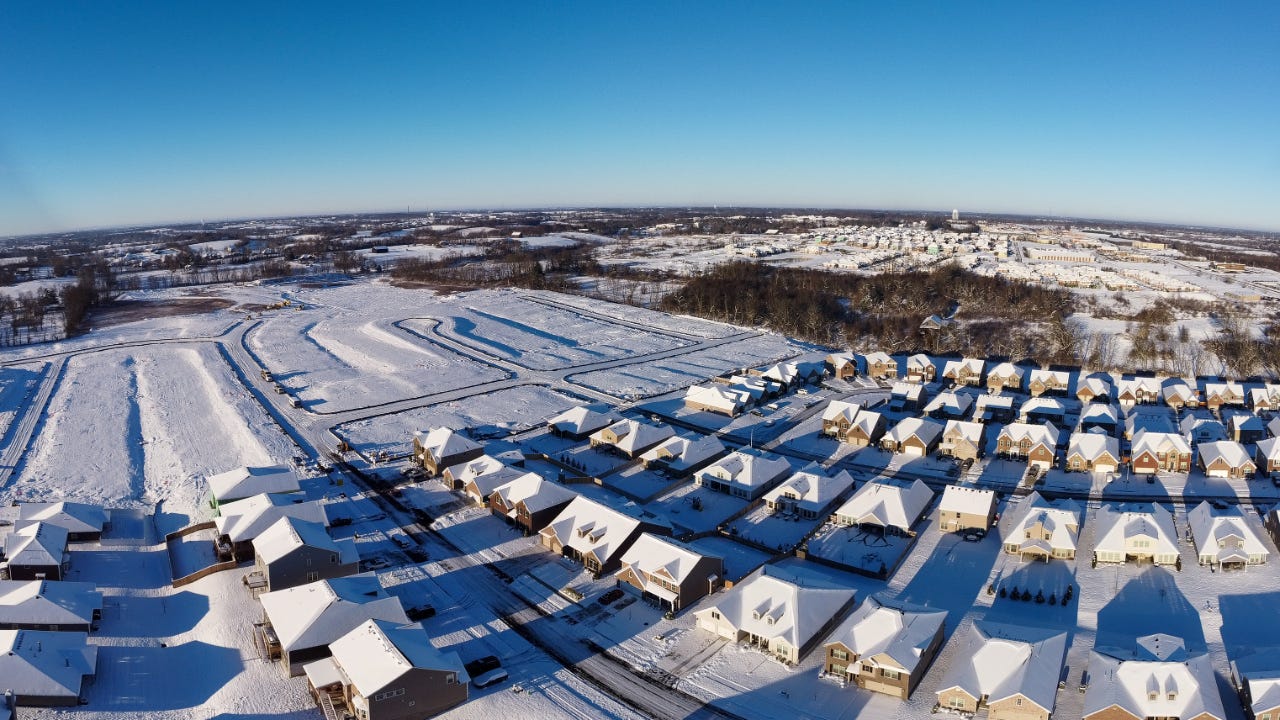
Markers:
point(665, 375)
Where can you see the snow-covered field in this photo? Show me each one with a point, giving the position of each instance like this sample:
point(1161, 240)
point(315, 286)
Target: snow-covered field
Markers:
point(660, 376)
point(16, 384)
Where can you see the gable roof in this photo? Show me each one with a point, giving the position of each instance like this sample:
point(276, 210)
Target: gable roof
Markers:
point(1158, 442)
point(973, 365)
point(75, 517)
point(1056, 377)
point(244, 482)
point(683, 451)
point(1131, 684)
point(1092, 446)
point(1114, 525)
point(717, 396)
point(837, 409)
point(536, 493)
point(582, 420)
point(1060, 517)
point(1095, 385)
point(960, 429)
point(779, 604)
point(898, 630)
point(1042, 405)
point(651, 553)
point(37, 544)
point(1044, 434)
point(41, 602)
point(1209, 527)
point(318, 613)
point(1177, 389)
point(1100, 413)
point(923, 428)
point(634, 435)
point(888, 503)
point(919, 361)
point(952, 403)
point(1006, 370)
point(443, 442)
point(243, 520)
point(45, 664)
point(1228, 451)
point(1269, 449)
point(592, 528)
point(747, 467)
point(813, 487)
point(967, 500)
point(288, 534)
point(1259, 669)
point(1002, 660)
point(377, 653)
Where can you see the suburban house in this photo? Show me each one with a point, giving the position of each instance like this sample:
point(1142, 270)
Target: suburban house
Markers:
point(1037, 444)
point(1138, 391)
point(1217, 395)
point(1178, 394)
point(1202, 428)
point(1042, 409)
point(993, 408)
point(630, 438)
point(1157, 679)
point(1225, 459)
point(293, 552)
point(384, 671)
point(880, 366)
point(668, 573)
point(480, 487)
point(678, 457)
point(1245, 428)
point(886, 506)
point(1138, 532)
point(843, 365)
point(966, 508)
point(1100, 417)
point(1092, 389)
point(746, 473)
point(782, 612)
point(1093, 452)
point(46, 668)
point(793, 374)
point(1041, 529)
point(809, 493)
point(949, 406)
point(84, 523)
point(906, 396)
point(443, 447)
point(963, 440)
point(1265, 399)
point(920, 369)
point(1256, 677)
point(913, 436)
point(1153, 452)
point(717, 399)
point(1043, 382)
point(966, 371)
point(1005, 376)
point(36, 552)
point(1010, 670)
point(885, 646)
point(529, 502)
point(594, 535)
point(1225, 538)
point(1137, 422)
point(49, 605)
point(245, 482)
point(837, 417)
point(866, 430)
point(1267, 455)
point(578, 423)
point(300, 622)
point(243, 520)
point(463, 474)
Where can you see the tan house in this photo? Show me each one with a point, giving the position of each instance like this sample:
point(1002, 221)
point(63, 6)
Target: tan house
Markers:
point(880, 366)
point(1158, 678)
point(809, 493)
point(385, 671)
point(1044, 382)
point(867, 429)
point(1005, 376)
point(1037, 444)
point(1041, 529)
point(442, 447)
point(745, 473)
point(594, 535)
point(1226, 538)
point(1138, 391)
point(967, 371)
point(716, 398)
point(843, 365)
point(1225, 459)
point(838, 416)
point(668, 573)
point(678, 457)
point(1010, 671)
point(529, 502)
point(913, 436)
point(885, 646)
point(1267, 455)
point(1093, 452)
point(921, 369)
point(1178, 395)
point(1218, 394)
point(294, 552)
point(963, 440)
point(630, 438)
point(1092, 389)
point(1153, 452)
point(578, 423)
point(966, 508)
point(1137, 532)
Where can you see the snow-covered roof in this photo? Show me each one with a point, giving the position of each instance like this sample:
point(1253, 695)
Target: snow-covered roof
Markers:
point(582, 420)
point(592, 528)
point(683, 452)
point(1001, 661)
point(715, 396)
point(1057, 377)
point(1177, 390)
point(1260, 670)
point(748, 468)
point(45, 664)
point(1231, 390)
point(888, 503)
point(876, 358)
point(244, 482)
point(288, 534)
point(444, 442)
point(812, 487)
point(464, 472)
point(973, 365)
point(955, 404)
point(318, 613)
point(243, 520)
point(634, 435)
point(536, 493)
point(1269, 449)
point(1228, 451)
point(787, 372)
point(900, 631)
point(1153, 688)
point(925, 429)
point(919, 361)
point(1060, 517)
point(1100, 413)
point(837, 409)
point(1096, 386)
point(1042, 405)
point(839, 359)
point(867, 422)
point(1245, 421)
point(37, 544)
point(1158, 442)
point(41, 602)
point(967, 500)
point(1093, 446)
point(908, 390)
point(1115, 526)
point(1044, 434)
point(1134, 386)
point(75, 517)
point(1211, 529)
point(652, 553)
point(377, 653)
point(1006, 370)
point(781, 604)
point(963, 430)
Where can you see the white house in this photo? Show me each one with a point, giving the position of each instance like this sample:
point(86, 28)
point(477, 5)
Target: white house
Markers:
point(890, 506)
point(809, 492)
point(46, 668)
point(1139, 532)
point(1225, 537)
point(745, 473)
point(1043, 529)
point(680, 456)
point(244, 482)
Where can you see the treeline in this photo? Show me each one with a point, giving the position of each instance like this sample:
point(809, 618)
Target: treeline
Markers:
point(504, 264)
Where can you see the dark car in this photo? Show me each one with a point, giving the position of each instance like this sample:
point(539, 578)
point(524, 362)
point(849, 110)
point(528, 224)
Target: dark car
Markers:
point(482, 665)
point(421, 612)
point(610, 596)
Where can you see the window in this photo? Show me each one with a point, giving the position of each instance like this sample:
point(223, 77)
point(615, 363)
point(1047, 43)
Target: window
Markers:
point(1017, 701)
point(956, 701)
point(715, 615)
point(313, 576)
point(839, 654)
point(890, 674)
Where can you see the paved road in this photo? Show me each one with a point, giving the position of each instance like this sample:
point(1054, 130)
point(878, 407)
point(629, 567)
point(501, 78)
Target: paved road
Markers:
point(18, 436)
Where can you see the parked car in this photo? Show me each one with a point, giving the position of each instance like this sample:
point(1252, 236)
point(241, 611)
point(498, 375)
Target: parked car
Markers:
point(421, 612)
point(480, 666)
point(610, 596)
point(490, 678)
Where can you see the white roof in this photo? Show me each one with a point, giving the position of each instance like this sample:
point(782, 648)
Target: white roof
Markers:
point(1092, 446)
point(45, 664)
point(747, 468)
point(36, 544)
point(41, 602)
point(898, 630)
point(318, 613)
point(1097, 386)
point(582, 420)
point(1098, 412)
point(536, 493)
point(1177, 389)
point(591, 528)
point(464, 472)
point(442, 442)
point(1211, 528)
point(877, 358)
point(887, 503)
point(1114, 526)
point(1042, 405)
point(1001, 661)
point(1158, 442)
point(1044, 434)
point(779, 604)
point(925, 429)
point(866, 421)
point(244, 482)
point(1061, 518)
point(1244, 421)
point(1006, 369)
point(840, 358)
point(974, 365)
point(633, 435)
point(919, 360)
point(75, 517)
point(840, 409)
point(1224, 389)
point(1134, 385)
point(685, 452)
point(967, 500)
point(244, 520)
point(952, 403)
point(1260, 668)
point(651, 553)
point(715, 396)
point(1057, 377)
point(970, 431)
point(812, 487)
point(987, 400)
point(289, 534)
point(377, 653)
point(908, 390)
point(1229, 451)
point(1144, 687)
point(1269, 448)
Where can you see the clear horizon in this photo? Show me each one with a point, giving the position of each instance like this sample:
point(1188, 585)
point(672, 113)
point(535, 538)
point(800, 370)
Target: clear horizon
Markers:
point(151, 114)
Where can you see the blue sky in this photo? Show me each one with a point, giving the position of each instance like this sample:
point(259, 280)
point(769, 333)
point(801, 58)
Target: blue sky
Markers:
point(136, 113)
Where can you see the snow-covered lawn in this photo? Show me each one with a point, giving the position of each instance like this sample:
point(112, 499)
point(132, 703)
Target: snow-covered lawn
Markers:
point(679, 324)
point(695, 509)
point(781, 531)
point(661, 376)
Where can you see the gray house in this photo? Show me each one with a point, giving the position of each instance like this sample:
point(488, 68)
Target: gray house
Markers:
point(293, 552)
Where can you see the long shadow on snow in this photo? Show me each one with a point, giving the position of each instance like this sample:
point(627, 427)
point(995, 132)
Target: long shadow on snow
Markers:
point(1148, 604)
point(1250, 621)
point(156, 617)
point(148, 679)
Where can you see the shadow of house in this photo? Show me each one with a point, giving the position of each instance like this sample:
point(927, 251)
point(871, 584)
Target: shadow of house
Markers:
point(1150, 604)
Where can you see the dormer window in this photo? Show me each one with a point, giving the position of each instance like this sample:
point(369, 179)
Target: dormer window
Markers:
point(1173, 696)
point(1153, 695)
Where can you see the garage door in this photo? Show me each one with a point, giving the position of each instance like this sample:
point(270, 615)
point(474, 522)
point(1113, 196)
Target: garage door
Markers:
point(1218, 473)
point(1104, 468)
point(893, 690)
point(913, 450)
